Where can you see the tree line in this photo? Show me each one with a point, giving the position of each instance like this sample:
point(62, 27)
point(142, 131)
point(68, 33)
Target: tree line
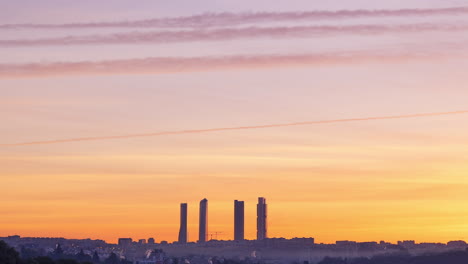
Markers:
point(9, 255)
point(452, 257)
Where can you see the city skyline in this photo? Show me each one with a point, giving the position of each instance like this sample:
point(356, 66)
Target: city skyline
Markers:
point(291, 250)
point(349, 117)
point(238, 224)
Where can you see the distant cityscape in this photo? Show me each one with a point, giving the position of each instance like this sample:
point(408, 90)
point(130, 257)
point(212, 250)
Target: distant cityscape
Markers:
point(265, 251)
point(238, 221)
point(261, 250)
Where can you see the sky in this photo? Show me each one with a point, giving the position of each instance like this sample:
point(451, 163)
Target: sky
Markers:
point(79, 69)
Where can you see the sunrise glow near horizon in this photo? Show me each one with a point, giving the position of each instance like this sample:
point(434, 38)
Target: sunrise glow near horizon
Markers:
point(82, 69)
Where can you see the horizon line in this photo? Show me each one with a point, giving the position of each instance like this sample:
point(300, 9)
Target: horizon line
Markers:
point(229, 240)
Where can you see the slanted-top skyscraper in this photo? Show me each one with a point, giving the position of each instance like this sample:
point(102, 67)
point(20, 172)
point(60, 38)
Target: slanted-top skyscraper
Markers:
point(203, 225)
point(183, 223)
point(261, 219)
point(238, 220)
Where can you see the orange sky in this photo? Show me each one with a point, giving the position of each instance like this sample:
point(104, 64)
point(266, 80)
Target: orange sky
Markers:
point(374, 180)
point(357, 188)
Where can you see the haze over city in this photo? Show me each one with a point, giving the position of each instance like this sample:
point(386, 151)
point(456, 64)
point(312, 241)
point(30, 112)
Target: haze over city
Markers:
point(348, 117)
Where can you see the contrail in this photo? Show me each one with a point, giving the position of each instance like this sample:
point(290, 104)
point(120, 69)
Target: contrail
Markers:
point(210, 130)
point(161, 37)
point(167, 65)
point(231, 19)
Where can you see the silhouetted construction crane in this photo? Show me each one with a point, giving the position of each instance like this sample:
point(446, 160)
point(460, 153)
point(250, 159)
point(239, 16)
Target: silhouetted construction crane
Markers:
point(215, 233)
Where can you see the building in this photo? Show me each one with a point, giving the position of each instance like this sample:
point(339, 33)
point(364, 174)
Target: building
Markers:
point(408, 244)
point(238, 220)
point(203, 224)
point(125, 242)
point(183, 223)
point(261, 219)
point(457, 244)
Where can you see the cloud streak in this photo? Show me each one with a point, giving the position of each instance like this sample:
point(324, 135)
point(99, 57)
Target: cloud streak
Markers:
point(230, 19)
point(222, 129)
point(159, 37)
point(167, 65)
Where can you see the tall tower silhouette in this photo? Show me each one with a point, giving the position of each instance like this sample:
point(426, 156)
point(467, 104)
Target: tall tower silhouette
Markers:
point(238, 220)
point(261, 219)
point(183, 223)
point(203, 225)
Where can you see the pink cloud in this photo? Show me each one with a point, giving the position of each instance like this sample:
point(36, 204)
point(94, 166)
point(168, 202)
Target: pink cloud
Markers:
point(230, 34)
point(229, 19)
point(165, 65)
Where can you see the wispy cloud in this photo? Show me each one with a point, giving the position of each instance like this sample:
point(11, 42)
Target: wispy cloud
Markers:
point(230, 19)
point(230, 34)
point(209, 130)
point(165, 65)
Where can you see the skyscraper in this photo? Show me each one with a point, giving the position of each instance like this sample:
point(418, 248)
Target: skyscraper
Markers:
point(261, 219)
point(203, 225)
point(183, 223)
point(238, 220)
